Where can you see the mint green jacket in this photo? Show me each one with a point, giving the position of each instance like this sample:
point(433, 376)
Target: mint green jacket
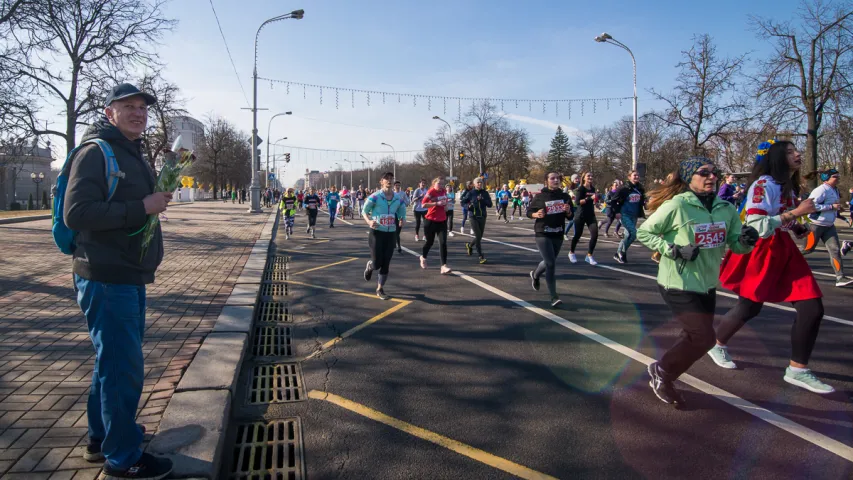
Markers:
point(676, 222)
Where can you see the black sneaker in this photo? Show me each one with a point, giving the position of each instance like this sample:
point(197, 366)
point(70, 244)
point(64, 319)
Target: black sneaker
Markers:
point(93, 451)
point(148, 467)
point(556, 302)
point(619, 257)
point(846, 246)
point(380, 292)
point(399, 250)
point(368, 270)
point(482, 260)
point(468, 247)
point(534, 282)
point(663, 389)
point(331, 226)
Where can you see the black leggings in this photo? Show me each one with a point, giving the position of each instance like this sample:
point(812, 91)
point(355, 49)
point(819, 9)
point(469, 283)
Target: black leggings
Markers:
point(312, 217)
point(593, 233)
point(381, 249)
point(478, 224)
point(549, 248)
point(431, 229)
point(516, 206)
point(399, 229)
point(606, 223)
point(502, 211)
point(803, 333)
point(695, 312)
point(418, 217)
point(449, 220)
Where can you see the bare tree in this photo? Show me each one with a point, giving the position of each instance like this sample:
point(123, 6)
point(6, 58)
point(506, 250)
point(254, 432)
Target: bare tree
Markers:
point(84, 46)
point(224, 155)
point(489, 140)
point(704, 101)
point(169, 105)
point(812, 68)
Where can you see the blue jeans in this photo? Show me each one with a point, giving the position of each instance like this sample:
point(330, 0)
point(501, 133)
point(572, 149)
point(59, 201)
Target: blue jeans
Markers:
point(464, 216)
point(630, 225)
point(571, 223)
point(333, 211)
point(115, 315)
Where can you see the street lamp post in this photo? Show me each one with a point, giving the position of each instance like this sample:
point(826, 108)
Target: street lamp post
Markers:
point(341, 171)
point(395, 158)
point(369, 166)
point(453, 140)
point(606, 38)
point(37, 178)
point(255, 187)
point(350, 173)
point(269, 125)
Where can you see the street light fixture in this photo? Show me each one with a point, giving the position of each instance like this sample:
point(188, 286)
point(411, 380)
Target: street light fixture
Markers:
point(350, 173)
point(369, 166)
point(269, 125)
point(606, 38)
point(37, 178)
point(395, 158)
point(255, 187)
point(452, 139)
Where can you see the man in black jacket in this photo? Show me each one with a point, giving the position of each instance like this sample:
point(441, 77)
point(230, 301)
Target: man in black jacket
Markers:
point(110, 275)
point(628, 206)
point(477, 200)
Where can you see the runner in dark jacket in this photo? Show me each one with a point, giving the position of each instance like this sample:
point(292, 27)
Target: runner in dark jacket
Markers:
point(628, 207)
point(551, 207)
point(478, 201)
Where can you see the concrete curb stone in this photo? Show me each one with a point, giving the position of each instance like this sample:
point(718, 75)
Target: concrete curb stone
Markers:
point(31, 218)
point(216, 365)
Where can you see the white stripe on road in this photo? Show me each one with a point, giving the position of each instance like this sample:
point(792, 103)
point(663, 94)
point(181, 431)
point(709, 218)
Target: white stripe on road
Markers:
point(336, 218)
point(815, 438)
point(642, 275)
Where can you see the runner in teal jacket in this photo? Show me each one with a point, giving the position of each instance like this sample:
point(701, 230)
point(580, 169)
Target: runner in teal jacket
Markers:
point(383, 212)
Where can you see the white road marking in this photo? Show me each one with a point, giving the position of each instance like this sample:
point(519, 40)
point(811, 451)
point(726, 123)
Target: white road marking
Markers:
point(815, 438)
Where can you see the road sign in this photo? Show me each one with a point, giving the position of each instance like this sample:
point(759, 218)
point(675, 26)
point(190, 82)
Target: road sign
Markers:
point(258, 140)
point(271, 176)
point(453, 178)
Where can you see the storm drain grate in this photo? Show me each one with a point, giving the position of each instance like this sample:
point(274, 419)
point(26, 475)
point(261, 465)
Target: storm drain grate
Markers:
point(277, 262)
point(275, 275)
point(273, 312)
point(272, 341)
point(275, 384)
point(268, 451)
point(274, 290)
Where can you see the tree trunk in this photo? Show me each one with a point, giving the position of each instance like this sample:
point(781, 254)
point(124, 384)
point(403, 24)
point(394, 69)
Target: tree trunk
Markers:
point(71, 112)
point(811, 148)
point(3, 205)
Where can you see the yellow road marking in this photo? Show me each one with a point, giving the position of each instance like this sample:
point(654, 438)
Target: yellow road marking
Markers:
point(327, 266)
point(355, 329)
point(474, 453)
point(360, 294)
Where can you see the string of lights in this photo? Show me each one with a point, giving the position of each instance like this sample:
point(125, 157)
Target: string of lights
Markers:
point(368, 95)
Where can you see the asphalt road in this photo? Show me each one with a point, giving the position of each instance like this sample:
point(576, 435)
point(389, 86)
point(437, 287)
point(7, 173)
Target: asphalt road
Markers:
point(472, 375)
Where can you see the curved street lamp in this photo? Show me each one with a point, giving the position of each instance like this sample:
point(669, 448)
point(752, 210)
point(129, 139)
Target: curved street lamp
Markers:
point(606, 38)
point(369, 166)
point(255, 187)
point(452, 147)
point(269, 125)
point(395, 159)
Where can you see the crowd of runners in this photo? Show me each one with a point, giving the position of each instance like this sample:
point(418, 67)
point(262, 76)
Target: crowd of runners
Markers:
point(705, 231)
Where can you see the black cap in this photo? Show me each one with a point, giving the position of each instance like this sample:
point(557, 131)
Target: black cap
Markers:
point(126, 90)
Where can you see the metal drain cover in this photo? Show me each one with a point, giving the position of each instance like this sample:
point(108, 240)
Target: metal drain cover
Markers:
point(275, 384)
point(272, 341)
point(268, 451)
point(273, 312)
point(277, 262)
point(274, 290)
point(275, 275)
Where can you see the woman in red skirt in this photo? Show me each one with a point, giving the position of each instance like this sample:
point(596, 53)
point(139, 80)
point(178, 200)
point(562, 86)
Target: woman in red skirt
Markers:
point(775, 270)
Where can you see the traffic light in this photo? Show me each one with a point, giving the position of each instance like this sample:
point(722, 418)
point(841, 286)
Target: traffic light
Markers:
point(286, 158)
point(461, 155)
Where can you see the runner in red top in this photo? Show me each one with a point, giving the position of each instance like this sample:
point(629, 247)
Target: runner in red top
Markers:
point(435, 222)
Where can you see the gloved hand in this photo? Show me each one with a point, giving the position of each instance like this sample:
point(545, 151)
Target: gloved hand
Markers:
point(685, 252)
point(748, 236)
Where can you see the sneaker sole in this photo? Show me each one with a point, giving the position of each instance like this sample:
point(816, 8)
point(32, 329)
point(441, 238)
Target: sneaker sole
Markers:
point(532, 282)
point(730, 366)
point(807, 386)
point(106, 476)
point(844, 284)
point(652, 385)
point(93, 457)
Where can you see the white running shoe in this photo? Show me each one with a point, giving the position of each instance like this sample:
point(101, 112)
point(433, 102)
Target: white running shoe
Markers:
point(720, 356)
point(462, 230)
point(451, 234)
point(417, 239)
point(512, 217)
point(423, 262)
point(591, 260)
point(445, 270)
point(844, 282)
point(472, 231)
point(573, 258)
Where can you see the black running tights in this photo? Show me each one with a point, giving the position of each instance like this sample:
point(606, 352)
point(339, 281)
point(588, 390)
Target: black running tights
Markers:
point(803, 333)
point(418, 217)
point(431, 229)
point(593, 235)
point(549, 248)
point(381, 249)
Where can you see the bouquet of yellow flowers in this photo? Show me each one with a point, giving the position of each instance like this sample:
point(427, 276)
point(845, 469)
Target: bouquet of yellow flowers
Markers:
point(167, 181)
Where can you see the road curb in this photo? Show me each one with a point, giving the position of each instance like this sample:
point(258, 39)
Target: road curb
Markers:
point(192, 431)
point(31, 218)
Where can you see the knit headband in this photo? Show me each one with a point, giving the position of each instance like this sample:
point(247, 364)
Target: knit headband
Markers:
point(688, 167)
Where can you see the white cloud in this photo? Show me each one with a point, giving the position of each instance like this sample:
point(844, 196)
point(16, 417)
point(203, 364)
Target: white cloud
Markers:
point(543, 123)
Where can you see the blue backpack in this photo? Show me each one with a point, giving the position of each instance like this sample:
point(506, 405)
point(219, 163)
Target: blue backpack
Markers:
point(62, 235)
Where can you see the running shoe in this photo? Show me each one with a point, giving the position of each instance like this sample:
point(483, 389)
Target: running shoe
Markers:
point(606, 235)
point(663, 389)
point(844, 282)
point(573, 258)
point(445, 270)
point(148, 467)
point(462, 230)
point(566, 237)
point(506, 221)
point(368, 270)
point(720, 356)
point(512, 217)
point(846, 245)
point(331, 226)
point(399, 250)
point(556, 302)
point(469, 248)
point(482, 260)
point(380, 292)
point(472, 231)
point(534, 282)
point(287, 236)
point(591, 260)
point(451, 234)
point(423, 262)
point(807, 380)
point(308, 230)
point(619, 257)
point(312, 234)
point(93, 452)
point(620, 235)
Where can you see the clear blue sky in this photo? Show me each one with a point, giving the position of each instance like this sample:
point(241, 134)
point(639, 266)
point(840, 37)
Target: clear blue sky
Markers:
point(536, 49)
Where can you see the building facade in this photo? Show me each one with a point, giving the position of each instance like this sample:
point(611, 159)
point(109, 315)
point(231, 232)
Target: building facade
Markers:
point(190, 130)
point(17, 164)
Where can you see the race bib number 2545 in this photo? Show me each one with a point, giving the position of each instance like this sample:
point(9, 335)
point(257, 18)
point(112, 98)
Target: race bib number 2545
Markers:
point(710, 235)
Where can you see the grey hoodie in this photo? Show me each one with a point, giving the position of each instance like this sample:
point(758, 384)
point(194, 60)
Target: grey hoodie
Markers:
point(105, 250)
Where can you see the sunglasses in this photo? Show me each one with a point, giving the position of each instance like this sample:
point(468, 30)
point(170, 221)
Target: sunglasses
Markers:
point(704, 173)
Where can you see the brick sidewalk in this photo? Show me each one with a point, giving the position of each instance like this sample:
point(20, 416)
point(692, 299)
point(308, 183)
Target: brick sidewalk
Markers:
point(46, 356)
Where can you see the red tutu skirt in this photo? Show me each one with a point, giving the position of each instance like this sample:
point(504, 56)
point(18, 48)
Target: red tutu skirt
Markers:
point(775, 271)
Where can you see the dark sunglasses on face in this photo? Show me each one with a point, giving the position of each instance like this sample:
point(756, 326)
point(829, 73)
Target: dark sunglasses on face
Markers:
point(704, 173)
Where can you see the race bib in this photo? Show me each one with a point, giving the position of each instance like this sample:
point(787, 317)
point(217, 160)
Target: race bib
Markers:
point(709, 235)
point(634, 197)
point(555, 206)
point(387, 220)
